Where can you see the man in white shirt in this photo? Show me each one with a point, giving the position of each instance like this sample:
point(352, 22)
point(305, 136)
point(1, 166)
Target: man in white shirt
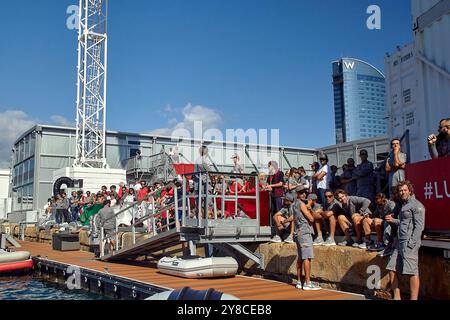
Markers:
point(237, 168)
point(323, 177)
point(137, 186)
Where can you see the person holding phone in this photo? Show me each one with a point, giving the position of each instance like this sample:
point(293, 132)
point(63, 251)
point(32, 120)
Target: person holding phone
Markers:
point(439, 146)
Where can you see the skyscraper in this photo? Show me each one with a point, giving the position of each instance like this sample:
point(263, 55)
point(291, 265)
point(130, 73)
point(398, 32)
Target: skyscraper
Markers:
point(359, 100)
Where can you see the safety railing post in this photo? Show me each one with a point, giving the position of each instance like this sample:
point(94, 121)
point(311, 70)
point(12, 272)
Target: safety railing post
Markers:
point(223, 198)
point(258, 216)
point(183, 210)
point(177, 220)
point(148, 220)
point(214, 197)
point(153, 217)
point(133, 226)
point(116, 248)
point(167, 219)
point(235, 195)
point(199, 202)
point(102, 245)
point(206, 202)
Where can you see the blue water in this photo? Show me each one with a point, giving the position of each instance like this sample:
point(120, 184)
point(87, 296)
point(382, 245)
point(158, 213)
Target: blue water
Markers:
point(30, 288)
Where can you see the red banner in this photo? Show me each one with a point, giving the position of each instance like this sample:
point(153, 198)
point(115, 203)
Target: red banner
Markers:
point(181, 169)
point(249, 206)
point(431, 181)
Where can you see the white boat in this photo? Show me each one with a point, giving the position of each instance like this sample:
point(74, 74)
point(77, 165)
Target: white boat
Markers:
point(197, 268)
point(14, 262)
point(9, 257)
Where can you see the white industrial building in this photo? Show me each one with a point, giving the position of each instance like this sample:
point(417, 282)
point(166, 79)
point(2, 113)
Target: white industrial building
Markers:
point(418, 78)
point(5, 202)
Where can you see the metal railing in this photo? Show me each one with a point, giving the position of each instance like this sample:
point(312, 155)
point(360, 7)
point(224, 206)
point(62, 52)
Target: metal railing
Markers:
point(167, 217)
point(151, 218)
point(205, 197)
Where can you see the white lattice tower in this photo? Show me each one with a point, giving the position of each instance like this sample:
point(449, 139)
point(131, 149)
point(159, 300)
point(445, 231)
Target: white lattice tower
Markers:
point(91, 84)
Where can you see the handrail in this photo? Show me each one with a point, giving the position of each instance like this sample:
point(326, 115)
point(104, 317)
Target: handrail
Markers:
point(137, 222)
point(148, 216)
point(220, 173)
point(204, 199)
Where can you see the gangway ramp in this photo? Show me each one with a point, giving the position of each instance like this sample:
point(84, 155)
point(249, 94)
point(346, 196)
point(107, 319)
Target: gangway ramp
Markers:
point(153, 244)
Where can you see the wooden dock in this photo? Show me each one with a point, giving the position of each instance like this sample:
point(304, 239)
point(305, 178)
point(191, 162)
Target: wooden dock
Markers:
point(245, 288)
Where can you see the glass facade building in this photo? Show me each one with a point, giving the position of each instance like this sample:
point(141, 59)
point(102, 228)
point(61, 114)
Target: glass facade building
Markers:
point(359, 100)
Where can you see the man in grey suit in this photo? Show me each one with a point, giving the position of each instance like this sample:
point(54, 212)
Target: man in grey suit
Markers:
point(405, 258)
point(355, 209)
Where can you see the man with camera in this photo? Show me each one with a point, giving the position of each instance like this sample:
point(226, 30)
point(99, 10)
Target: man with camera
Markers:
point(439, 146)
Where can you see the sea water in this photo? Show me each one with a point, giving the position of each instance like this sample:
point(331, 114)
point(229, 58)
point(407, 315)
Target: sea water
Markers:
point(33, 288)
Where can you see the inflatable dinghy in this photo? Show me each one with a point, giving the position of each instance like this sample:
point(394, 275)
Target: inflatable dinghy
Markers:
point(197, 268)
point(15, 261)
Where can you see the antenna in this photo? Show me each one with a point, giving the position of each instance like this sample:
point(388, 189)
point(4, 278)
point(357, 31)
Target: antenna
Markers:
point(91, 84)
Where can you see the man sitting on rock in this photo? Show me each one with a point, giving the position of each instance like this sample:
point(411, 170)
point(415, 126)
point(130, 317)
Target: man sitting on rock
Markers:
point(281, 220)
point(327, 217)
point(376, 220)
point(355, 209)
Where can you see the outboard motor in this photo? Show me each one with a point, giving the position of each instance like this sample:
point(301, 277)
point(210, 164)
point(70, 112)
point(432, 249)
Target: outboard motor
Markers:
point(194, 295)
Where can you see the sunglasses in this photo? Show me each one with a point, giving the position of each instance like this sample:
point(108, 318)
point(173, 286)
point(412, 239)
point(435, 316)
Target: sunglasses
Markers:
point(329, 196)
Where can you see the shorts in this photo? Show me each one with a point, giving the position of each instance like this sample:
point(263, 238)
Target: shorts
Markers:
point(305, 249)
point(349, 221)
point(404, 260)
point(111, 233)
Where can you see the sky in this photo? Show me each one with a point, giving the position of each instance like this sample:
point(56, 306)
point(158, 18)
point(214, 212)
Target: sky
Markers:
point(250, 64)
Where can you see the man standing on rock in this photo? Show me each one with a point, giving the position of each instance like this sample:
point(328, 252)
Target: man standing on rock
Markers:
point(396, 164)
point(304, 219)
point(405, 258)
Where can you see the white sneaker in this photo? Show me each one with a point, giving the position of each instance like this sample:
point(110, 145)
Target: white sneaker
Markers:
point(289, 240)
point(311, 287)
point(299, 285)
point(276, 239)
point(330, 242)
point(318, 242)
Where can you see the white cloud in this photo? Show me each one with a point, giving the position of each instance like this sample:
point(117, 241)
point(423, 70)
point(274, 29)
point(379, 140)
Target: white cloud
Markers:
point(13, 123)
point(62, 121)
point(209, 118)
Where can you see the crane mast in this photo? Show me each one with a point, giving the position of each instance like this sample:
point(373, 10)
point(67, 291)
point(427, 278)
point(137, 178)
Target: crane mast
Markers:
point(91, 84)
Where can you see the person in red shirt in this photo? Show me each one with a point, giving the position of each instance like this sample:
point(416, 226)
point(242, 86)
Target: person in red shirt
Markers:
point(236, 185)
point(250, 184)
point(142, 194)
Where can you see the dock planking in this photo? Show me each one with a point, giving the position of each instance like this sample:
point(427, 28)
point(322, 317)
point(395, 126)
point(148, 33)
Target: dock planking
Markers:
point(243, 287)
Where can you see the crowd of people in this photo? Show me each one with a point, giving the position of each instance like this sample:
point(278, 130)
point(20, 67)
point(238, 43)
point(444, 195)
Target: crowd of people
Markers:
point(307, 209)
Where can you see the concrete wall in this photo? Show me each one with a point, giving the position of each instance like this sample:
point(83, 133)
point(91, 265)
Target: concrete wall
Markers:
point(347, 269)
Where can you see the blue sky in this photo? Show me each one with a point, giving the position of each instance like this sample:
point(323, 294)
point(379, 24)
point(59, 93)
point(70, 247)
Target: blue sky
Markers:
point(246, 63)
